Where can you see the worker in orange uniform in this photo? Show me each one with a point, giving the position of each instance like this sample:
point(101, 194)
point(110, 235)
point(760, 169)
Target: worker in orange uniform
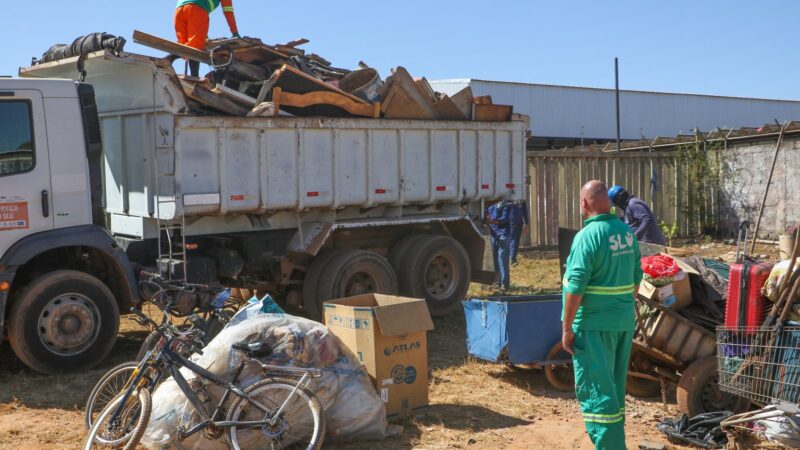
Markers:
point(192, 21)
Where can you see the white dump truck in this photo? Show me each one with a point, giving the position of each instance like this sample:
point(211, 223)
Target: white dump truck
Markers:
point(102, 177)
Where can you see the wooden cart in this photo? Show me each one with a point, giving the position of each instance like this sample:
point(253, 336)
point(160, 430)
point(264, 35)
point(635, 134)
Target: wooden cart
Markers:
point(668, 347)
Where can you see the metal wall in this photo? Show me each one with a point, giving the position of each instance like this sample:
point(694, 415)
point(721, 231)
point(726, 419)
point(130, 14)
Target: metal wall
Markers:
point(557, 176)
point(575, 112)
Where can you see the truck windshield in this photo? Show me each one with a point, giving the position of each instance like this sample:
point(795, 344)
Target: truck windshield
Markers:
point(16, 137)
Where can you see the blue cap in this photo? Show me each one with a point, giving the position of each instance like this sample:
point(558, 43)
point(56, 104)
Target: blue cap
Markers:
point(615, 191)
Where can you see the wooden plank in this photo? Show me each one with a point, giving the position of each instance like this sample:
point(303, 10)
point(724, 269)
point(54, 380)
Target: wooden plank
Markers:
point(448, 110)
point(296, 42)
point(155, 42)
point(533, 203)
point(464, 101)
point(483, 100)
point(293, 80)
point(402, 80)
point(202, 94)
point(288, 100)
point(399, 105)
point(235, 96)
point(492, 113)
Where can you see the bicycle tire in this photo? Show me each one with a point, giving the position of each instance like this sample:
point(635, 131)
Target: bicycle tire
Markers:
point(308, 398)
point(131, 439)
point(106, 390)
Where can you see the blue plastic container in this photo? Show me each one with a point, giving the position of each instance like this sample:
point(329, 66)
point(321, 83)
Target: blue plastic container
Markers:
point(519, 330)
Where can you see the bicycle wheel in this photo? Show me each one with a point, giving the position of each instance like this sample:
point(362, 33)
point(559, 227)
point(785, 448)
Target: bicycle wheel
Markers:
point(129, 429)
point(300, 426)
point(109, 386)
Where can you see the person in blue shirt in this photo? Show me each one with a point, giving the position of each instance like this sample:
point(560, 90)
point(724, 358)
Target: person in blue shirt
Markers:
point(638, 216)
point(519, 222)
point(499, 219)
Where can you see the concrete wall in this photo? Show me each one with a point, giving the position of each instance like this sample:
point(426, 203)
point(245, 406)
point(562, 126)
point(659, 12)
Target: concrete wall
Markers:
point(745, 170)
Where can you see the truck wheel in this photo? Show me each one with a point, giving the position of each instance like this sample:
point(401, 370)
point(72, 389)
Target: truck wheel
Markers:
point(698, 390)
point(63, 321)
point(437, 269)
point(311, 302)
point(355, 272)
point(400, 249)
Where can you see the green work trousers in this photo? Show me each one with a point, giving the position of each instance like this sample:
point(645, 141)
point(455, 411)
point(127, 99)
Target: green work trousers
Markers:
point(601, 368)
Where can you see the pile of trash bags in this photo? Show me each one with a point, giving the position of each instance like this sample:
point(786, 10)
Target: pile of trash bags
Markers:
point(353, 410)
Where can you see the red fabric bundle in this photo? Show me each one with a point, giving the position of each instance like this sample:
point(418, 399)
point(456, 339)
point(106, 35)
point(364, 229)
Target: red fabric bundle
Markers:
point(660, 266)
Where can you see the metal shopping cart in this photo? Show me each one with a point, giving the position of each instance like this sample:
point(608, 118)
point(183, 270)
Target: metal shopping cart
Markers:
point(762, 364)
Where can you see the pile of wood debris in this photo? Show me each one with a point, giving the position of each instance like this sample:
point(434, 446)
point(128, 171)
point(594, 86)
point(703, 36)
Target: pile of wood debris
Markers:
point(250, 78)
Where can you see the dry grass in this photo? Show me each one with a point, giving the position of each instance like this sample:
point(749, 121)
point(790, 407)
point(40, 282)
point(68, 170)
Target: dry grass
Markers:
point(473, 404)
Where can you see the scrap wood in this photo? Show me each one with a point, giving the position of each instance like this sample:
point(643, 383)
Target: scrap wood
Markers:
point(296, 42)
point(235, 96)
point(250, 50)
point(398, 105)
point(448, 110)
point(239, 68)
point(201, 93)
point(293, 80)
point(492, 113)
point(174, 48)
point(322, 103)
point(402, 106)
point(464, 101)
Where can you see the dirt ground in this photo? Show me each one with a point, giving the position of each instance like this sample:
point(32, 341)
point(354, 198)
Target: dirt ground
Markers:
point(473, 404)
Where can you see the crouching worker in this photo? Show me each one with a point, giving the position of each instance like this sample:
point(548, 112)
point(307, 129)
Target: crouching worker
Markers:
point(638, 216)
point(192, 22)
point(603, 273)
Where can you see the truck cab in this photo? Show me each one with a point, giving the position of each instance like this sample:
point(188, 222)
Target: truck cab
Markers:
point(63, 279)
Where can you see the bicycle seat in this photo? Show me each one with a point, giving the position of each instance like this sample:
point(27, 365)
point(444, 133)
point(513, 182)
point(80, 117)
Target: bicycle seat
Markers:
point(258, 349)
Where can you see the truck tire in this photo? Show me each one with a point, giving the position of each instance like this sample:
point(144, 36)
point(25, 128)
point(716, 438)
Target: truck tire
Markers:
point(400, 249)
point(698, 390)
point(436, 268)
point(311, 302)
point(63, 321)
point(354, 272)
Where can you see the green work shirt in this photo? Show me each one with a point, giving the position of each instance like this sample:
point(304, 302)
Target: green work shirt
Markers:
point(604, 267)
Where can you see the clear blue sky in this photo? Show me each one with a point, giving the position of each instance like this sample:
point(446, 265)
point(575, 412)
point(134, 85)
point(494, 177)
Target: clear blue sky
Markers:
point(707, 47)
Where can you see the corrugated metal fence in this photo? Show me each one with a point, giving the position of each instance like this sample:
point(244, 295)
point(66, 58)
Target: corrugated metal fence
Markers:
point(557, 176)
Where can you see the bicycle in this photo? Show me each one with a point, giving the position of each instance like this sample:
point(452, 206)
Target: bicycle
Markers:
point(277, 412)
point(215, 315)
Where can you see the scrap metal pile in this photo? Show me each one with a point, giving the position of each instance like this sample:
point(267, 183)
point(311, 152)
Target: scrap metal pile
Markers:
point(250, 78)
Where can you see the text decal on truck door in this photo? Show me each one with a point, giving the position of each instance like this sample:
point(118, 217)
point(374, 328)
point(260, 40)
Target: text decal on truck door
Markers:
point(13, 214)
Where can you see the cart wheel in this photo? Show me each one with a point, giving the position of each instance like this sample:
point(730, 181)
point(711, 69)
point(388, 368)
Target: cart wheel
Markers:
point(640, 387)
point(699, 393)
point(560, 376)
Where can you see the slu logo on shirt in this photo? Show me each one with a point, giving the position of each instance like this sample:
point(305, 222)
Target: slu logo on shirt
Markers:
point(618, 244)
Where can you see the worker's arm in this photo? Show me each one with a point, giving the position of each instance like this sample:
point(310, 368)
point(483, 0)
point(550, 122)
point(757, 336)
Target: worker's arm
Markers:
point(580, 266)
point(227, 9)
point(638, 219)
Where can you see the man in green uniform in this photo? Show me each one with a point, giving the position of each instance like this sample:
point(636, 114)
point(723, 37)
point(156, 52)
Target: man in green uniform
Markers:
point(603, 273)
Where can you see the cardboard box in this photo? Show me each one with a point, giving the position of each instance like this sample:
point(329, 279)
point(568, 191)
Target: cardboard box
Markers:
point(676, 295)
point(388, 335)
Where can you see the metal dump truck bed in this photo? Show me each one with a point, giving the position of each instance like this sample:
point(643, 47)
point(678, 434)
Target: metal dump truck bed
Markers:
point(277, 172)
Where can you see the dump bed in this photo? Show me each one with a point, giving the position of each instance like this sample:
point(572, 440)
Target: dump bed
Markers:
point(219, 166)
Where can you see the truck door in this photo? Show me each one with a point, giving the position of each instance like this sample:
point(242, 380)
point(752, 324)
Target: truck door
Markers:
point(25, 196)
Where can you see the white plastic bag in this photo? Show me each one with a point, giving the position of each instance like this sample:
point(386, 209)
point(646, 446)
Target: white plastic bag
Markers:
point(352, 408)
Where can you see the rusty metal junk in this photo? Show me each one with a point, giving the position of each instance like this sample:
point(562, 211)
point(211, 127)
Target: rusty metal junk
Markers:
point(251, 78)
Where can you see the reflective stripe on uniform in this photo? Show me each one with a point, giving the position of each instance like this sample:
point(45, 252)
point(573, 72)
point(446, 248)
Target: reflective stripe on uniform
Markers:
point(212, 5)
point(604, 418)
point(606, 290)
point(227, 9)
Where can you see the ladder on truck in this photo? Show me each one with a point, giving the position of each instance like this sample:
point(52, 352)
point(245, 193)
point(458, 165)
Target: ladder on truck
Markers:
point(172, 261)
